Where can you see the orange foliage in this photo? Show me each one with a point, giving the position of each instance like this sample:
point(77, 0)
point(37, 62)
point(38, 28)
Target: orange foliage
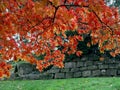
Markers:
point(29, 28)
point(79, 53)
point(4, 69)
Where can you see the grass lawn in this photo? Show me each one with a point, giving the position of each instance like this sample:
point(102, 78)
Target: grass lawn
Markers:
point(63, 84)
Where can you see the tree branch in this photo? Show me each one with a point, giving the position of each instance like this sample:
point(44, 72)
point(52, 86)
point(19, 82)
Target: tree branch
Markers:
point(72, 5)
point(56, 8)
point(66, 5)
point(111, 29)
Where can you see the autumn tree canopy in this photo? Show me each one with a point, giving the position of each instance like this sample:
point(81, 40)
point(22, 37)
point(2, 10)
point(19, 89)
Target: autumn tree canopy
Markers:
point(30, 28)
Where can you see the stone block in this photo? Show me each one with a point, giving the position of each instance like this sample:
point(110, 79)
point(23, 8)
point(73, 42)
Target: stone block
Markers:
point(98, 63)
point(88, 63)
point(110, 61)
point(118, 65)
point(111, 72)
point(30, 77)
point(69, 75)
point(80, 64)
point(54, 67)
point(12, 76)
point(103, 66)
point(77, 74)
point(59, 75)
point(118, 72)
point(24, 68)
point(65, 70)
point(103, 72)
point(113, 66)
point(86, 73)
point(70, 65)
point(53, 71)
point(36, 72)
point(93, 67)
point(75, 70)
point(46, 76)
point(83, 68)
point(96, 73)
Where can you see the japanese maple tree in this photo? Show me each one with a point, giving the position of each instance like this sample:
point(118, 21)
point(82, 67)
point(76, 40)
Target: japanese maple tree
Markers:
point(30, 28)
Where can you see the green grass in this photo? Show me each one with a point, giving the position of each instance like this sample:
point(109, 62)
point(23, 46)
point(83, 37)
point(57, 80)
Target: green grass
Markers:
point(63, 84)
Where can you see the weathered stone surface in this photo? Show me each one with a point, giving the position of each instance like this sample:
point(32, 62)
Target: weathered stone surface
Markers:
point(113, 66)
point(93, 67)
point(24, 68)
point(86, 73)
point(96, 73)
point(70, 65)
point(77, 74)
point(103, 72)
point(80, 64)
point(54, 67)
point(30, 76)
point(98, 62)
point(103, 66)
point(118, 66)
point(36, 72)
point(46, 76)
point(60, 75)
point(83, 68)
point(65, 70)
point(69, 75)
point(13, 76)
point(53, 70)
point(74, 70)
point(111, 72)
point(112, 61)
point(88, 63)
point(118, 72)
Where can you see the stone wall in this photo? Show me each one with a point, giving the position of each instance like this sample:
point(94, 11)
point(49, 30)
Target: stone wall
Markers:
point(86, 66)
